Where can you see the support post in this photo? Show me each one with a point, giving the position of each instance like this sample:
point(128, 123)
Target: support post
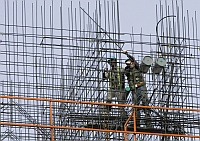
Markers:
point(134, 119)
point(51, 121)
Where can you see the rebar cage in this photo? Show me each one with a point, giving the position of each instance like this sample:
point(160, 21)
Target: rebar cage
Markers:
point(52, 60)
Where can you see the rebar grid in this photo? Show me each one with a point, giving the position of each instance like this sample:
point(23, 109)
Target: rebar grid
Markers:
point(52, 60)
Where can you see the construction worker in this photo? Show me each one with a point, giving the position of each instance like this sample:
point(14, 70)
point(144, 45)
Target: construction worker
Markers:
point(137, 86)
point(116, 78)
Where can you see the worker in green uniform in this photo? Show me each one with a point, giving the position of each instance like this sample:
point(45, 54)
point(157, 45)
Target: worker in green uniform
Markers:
point(116, 79)
point(138, 87)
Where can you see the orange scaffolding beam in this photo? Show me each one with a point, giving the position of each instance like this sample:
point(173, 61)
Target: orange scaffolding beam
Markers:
point(125, 132)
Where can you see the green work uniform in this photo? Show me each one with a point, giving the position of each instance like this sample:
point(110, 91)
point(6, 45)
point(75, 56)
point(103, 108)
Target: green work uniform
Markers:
point(139, 91)
point(116, 78)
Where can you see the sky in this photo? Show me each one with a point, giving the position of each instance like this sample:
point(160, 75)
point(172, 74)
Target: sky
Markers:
point(142, 13)
point(133, 13)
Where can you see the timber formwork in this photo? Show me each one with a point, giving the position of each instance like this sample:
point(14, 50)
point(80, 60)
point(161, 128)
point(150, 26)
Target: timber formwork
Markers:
point(52, 59)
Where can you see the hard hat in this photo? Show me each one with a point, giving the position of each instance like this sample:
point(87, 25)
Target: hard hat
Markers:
point(112, 58)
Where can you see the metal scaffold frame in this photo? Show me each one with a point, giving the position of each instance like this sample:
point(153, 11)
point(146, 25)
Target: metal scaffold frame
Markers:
point(54, 60)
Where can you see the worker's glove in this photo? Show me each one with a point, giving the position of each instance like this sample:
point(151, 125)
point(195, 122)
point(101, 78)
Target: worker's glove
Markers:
point(124, 52)
point(132, 87)
point(132, 65)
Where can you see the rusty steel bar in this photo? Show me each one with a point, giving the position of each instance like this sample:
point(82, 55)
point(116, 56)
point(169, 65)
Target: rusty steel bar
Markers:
point(51, 122)
point(134, 120)
point(99, 103)
point(92, 129)
point(125, 125)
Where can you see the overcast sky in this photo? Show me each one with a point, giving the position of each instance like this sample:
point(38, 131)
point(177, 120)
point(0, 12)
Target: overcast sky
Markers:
point(141, 13)
point(133, 13)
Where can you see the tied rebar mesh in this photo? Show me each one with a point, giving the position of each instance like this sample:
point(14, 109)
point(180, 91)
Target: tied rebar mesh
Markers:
point(52, 57)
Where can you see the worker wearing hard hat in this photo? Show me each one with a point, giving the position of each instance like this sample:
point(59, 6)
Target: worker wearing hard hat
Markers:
point(137, 86)
point(116, 79)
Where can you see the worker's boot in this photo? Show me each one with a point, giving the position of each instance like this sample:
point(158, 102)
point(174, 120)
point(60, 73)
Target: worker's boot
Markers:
point(138, 124)
point(108, 107)
point(148, 121)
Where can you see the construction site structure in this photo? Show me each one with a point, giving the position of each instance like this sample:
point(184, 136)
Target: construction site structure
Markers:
point(52, 56)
